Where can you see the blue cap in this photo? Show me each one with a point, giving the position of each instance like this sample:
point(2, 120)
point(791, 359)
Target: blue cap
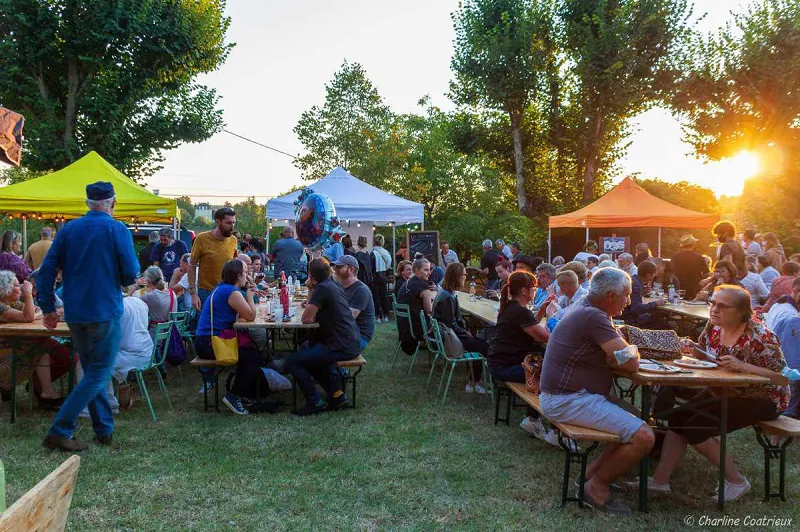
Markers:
point(347, 260)
point(101, 190)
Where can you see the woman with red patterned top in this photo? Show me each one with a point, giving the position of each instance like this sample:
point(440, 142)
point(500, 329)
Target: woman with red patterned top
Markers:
point(741, 344)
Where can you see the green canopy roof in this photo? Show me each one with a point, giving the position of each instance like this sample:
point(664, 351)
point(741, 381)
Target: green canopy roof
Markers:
point(62, 194)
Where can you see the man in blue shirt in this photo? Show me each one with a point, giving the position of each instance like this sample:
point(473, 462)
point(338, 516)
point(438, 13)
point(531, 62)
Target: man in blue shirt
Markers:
point(96, 257)
point(286, 254)
point(168, 252)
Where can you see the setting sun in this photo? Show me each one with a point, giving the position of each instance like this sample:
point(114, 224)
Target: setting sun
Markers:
point(727, 177)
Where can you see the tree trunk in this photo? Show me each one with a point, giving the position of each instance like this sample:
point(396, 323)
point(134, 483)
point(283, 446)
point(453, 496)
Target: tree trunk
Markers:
point(593, 154)
point(519, 168)
point(70, 115)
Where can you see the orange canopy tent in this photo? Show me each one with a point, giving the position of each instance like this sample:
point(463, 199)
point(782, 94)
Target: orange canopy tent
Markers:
point(629, 205)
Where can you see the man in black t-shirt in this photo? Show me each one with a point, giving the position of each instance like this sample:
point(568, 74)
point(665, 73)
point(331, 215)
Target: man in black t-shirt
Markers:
point(358, 295)
point(730, 249)
point(689, 266)
point(488, 262)
point(336, 339)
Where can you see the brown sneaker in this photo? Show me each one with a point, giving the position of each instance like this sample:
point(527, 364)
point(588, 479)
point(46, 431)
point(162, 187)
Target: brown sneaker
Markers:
point(103, 440)
point(60, 443)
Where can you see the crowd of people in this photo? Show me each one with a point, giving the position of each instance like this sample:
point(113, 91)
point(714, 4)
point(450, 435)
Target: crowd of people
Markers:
point(561, 311)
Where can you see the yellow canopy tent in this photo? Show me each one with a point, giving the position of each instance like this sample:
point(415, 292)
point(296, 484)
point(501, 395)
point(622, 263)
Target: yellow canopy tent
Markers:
point(62, 195)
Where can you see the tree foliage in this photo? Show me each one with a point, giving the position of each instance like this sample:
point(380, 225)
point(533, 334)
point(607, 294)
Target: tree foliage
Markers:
point(739, 92)
point(115, 77)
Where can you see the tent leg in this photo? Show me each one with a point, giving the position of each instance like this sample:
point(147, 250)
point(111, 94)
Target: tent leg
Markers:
point(24, 235)
point(659, 241)
point(394, 244)
point(269, 233)
point(549, 245)
point(587, 235)
point(175, 232)
point(423, 224)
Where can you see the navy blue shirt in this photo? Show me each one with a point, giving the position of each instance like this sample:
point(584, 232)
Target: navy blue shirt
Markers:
point(96, 256)
point(287, 253)
point(168, 257)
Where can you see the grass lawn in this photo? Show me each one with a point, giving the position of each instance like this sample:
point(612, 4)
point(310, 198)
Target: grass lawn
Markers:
point(397, 461)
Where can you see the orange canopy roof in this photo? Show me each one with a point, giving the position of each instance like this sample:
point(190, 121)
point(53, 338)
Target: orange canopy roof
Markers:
point(629, 205)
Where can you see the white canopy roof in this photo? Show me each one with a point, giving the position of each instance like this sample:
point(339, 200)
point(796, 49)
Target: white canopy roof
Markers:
point(354, 200)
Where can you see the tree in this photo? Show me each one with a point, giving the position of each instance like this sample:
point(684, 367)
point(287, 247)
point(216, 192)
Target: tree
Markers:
point(739, 93)
point(353, 129)
point(185, 203)
point(501, 49)
point(251, 217)
point(115, 77)
point(621, 55)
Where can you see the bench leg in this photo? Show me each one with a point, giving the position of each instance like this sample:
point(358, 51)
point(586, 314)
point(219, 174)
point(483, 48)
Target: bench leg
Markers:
point(773, 451)
point(502, 391)
point(574, 455)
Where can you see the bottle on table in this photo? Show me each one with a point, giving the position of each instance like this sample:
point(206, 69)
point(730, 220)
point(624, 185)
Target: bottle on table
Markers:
point(472, 290)
point(672, 294)
point(284, 295)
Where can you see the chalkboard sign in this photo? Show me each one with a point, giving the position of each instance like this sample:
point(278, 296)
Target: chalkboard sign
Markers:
point(615, 245)
point(425, 242)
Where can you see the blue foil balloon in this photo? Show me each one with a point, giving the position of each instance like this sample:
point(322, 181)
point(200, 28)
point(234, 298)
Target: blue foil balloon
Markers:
point(315, 220)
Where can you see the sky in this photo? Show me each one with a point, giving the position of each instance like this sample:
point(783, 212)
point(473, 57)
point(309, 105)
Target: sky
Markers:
point(286, 51)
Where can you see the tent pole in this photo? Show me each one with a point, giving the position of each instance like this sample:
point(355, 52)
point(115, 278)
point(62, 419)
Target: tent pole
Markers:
point(175, 233)
point(659, 241)
point(269, 233)
point(549, 244)
point(24, 235)
point(394, 244)
point(587, 234)
point(423, 224)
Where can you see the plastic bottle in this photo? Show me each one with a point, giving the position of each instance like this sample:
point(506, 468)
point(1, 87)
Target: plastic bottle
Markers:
point(672, 294)
point(284, 295)
point(472, 290)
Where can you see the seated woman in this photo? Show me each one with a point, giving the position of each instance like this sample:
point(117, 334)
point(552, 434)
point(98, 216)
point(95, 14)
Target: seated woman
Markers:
point(403, 274)
point(664, 276)
point(415, 293)
point(49, 358)
point(160, 300)
point(518, 334)
point(741, 344)
point(448, 312)
point(10, 245)
point(724, 273)
point(227, 303)
point(180, 284)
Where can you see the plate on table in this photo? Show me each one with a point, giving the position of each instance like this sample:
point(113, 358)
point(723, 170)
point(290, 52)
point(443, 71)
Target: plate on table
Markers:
point(649, 366)
point(693, 363)
point(696, 303)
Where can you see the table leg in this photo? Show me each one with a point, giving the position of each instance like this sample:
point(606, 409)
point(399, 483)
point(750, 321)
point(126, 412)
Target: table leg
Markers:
point(644, 465)
point(723, 437)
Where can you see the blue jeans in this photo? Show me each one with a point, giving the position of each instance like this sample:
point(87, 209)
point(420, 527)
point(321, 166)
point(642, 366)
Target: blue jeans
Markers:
point(507, 373)
point(316, 362)
point(97, 345)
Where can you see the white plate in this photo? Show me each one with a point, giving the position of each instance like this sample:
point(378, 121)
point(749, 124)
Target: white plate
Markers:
point(648, 367)
point(693, 363)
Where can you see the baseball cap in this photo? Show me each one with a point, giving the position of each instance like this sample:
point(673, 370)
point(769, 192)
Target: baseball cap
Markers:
point(346, 260)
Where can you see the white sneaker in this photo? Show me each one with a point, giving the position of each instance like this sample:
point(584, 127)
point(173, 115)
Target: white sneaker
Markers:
point(733, 491)
point(551, 437)
point(652, 485)
point(469, 388)
point(207, 386)
point(386, 319)
point(533, 427)
point(480, 390)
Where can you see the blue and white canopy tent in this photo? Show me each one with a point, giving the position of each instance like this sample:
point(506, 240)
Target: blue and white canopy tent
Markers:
point(356, 202)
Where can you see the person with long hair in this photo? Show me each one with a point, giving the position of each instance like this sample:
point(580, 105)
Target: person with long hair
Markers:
point(518, 334)
point(741, 344)
point(415, 293)
point(403, 274)
point(447, 311)
point(10, 246)
point(725, 272)
point(159, 298)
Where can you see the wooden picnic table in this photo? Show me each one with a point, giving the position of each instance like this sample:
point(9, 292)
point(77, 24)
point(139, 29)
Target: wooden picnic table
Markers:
point(693, 312)
point(17, 333)
point(483, 309)
point(273, 329)
point(720, 379)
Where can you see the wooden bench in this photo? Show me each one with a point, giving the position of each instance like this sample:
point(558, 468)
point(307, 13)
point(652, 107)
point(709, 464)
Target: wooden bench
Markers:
point(216, 371)
point(568, 434)
point(766, 433)
point(358, 362)
point(46, 505)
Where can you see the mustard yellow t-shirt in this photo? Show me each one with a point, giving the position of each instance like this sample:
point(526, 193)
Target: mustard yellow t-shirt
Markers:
point(210, 255)
point(38, 251)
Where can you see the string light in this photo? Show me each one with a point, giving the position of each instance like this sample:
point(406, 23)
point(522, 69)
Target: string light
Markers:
point(358, 224)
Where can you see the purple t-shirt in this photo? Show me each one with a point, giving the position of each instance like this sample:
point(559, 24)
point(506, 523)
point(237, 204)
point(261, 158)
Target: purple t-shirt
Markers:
point(574, 360)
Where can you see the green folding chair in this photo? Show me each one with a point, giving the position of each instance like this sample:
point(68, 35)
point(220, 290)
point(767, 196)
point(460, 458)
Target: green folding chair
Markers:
point(403, 312)
point(433, 339)
point(160, 348)
point(2, 488)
